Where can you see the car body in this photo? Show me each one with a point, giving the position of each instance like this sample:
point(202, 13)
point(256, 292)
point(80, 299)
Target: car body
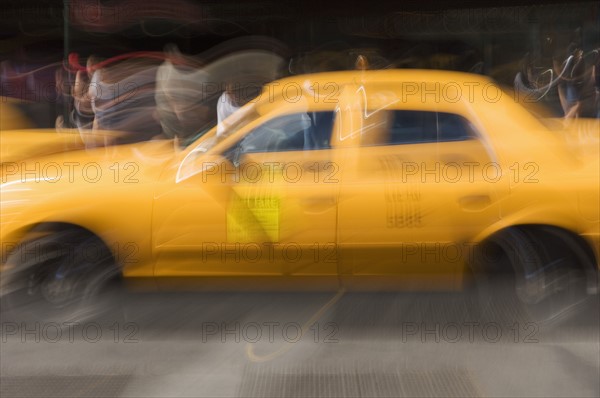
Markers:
point(362, 180)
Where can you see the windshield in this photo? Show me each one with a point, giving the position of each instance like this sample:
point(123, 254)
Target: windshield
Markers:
point(189, 166)
point(227, 128)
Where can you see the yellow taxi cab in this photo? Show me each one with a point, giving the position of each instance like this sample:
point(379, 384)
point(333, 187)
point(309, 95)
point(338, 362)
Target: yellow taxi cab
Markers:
point(391, 179)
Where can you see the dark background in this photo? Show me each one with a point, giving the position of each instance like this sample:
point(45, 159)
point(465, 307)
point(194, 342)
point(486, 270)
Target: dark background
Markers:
point(488, 37)
point(499, 30)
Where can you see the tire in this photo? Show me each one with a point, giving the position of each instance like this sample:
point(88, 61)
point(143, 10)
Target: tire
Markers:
point(58, 276)
point(528, 274)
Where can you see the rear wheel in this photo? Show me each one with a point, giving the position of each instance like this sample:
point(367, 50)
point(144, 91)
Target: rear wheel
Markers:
point(534, 274)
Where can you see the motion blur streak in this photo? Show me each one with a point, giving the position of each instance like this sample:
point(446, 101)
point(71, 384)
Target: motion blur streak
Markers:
point(187, 97)
point(122, 98)
point(96, 16)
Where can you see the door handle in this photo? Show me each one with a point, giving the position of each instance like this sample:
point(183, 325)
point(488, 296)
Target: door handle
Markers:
point(318, 204)
point(455, 158)
point(474, 202)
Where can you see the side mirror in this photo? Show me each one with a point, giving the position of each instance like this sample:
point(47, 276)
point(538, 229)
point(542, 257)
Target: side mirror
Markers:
point(197, 163)
point(236, 155)
point(237, 151)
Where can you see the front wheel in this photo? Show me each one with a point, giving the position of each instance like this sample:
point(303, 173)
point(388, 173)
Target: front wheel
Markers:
point(58, 275)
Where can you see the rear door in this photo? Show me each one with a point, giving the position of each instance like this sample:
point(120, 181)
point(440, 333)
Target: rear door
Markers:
point(422, 186)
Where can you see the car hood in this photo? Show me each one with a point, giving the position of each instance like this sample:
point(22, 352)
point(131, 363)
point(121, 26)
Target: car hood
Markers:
point(18, 145)
point(27, 159)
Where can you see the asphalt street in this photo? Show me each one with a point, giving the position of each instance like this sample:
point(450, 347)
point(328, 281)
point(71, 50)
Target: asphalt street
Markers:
point(300, 345)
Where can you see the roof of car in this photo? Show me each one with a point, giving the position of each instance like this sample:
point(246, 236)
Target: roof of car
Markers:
point(385, 75)
point(323, 89)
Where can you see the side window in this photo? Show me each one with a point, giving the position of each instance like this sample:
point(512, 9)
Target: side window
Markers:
point(295, 132)
point(414, 127)
point(453, 127)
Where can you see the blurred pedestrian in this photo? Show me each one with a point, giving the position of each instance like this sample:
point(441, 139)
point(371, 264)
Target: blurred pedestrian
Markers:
point(122, 96)
point(83, 114)
point(235, 95)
